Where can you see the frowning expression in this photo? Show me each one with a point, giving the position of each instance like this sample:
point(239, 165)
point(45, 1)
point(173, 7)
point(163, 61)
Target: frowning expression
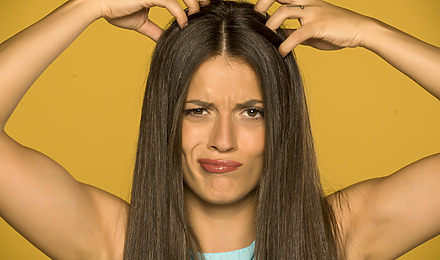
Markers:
point(223, 131)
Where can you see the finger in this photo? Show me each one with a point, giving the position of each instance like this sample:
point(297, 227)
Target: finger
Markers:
point(151, 30)
point(285, 12)
point(296, 38)
point(193, 6)
point(263, 5)
point(290, 31)
point(174, 8)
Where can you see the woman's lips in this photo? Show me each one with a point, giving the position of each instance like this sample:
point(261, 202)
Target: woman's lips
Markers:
point(218, 166)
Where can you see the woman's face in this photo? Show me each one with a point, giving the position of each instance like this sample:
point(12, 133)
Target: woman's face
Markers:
point(223, 131)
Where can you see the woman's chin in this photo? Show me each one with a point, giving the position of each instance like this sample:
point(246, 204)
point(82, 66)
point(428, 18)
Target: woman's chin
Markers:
point(220, 197)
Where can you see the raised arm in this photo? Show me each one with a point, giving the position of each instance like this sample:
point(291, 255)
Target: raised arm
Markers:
point(64, 218)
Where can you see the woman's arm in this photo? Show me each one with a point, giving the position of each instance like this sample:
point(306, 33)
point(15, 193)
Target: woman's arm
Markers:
point(38, 197)
point(64, 218)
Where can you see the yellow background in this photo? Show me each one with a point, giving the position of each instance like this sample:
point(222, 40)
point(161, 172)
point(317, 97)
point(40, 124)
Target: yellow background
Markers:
point(368, 119)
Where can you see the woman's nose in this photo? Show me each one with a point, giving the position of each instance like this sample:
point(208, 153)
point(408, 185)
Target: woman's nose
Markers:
point(223, 135)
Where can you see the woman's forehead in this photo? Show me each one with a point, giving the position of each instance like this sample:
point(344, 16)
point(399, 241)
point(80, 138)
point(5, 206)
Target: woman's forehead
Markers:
point(220, 77)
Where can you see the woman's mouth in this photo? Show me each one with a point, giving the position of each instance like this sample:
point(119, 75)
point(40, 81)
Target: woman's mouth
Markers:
point(218, 166)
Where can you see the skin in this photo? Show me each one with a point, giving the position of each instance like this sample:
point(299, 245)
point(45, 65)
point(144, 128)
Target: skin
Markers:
point(84, 222)
point(222, 206)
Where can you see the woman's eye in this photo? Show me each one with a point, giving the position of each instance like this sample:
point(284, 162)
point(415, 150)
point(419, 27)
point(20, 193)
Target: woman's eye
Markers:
point(253, 113)
point(196, 112)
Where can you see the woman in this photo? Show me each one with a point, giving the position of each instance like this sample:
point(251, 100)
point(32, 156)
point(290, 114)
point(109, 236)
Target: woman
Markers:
point(92, 223)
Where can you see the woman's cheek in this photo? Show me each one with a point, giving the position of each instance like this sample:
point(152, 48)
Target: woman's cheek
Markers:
point(193, 135)
point(252, 137)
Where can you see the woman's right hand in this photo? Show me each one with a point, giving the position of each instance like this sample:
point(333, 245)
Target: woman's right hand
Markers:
point(133, 14)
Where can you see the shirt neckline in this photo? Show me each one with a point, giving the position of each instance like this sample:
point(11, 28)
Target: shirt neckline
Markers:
point(243, 253)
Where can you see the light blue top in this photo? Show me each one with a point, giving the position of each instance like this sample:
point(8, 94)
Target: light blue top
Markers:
point(246, 253)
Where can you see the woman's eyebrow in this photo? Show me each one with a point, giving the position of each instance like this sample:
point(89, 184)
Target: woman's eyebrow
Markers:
point(200, 103)
point(249, 103)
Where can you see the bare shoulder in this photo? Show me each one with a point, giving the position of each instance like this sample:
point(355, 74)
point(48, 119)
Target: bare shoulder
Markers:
point(386, 217)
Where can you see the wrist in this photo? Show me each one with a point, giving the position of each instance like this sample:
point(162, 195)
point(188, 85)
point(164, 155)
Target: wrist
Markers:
point(374, 32)
point(92, 9)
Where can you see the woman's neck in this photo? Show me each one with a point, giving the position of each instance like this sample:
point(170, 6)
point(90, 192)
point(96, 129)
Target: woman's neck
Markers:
point(222, 228)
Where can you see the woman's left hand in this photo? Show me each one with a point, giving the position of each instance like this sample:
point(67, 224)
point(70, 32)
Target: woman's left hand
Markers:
point(323, 25)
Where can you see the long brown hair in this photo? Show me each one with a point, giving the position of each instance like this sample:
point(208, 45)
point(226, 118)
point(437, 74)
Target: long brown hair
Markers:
point(293, 219)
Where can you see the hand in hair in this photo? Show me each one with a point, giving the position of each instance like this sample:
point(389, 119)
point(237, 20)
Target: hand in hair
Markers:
point(323, 25)
point(133, 14)
point(328, 27)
